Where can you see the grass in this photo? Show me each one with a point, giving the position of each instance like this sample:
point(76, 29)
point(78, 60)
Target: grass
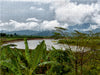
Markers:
point(19, 38)
point(82, 42)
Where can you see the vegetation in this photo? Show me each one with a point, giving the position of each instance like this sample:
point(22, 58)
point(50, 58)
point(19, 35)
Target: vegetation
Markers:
point(55, 61)
point(21, 63)
point(15, 37)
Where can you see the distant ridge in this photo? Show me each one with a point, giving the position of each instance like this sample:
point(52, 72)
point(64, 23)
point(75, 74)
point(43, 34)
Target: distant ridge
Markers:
point(30, 32)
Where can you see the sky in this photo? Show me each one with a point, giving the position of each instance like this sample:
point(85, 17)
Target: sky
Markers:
point(41, 15)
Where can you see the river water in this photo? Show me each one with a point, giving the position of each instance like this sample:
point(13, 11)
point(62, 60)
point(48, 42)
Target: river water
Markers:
point(49, 43)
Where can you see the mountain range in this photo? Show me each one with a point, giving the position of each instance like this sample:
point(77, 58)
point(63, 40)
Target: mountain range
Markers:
point(49, 33)
point(30, 32)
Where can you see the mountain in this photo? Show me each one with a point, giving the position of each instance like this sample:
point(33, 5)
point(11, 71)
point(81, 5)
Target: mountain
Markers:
point(79, 27)
point(23, 32)
point(45, 33)
point(30, 32)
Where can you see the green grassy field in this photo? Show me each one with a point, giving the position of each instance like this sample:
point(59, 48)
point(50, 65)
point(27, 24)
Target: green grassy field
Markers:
point(19, 38)
point(82, 42)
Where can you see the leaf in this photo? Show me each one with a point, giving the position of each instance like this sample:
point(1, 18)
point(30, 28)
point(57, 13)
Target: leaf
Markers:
point(27, 53)
point(38, 53)
point(48, 62)
point(60, 28)
point(7, 63)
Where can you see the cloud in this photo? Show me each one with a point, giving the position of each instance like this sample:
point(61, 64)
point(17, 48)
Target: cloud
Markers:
point(50, 25)
point(32, 19)
point(40, 1)
point(15, 26)
point(35, 26)
point(40, 9)
point(92, 27)
point(49, 1)
point(96, 19)
point(73, 14)
point(35, 8)
point(32, 7)
point(0, 21)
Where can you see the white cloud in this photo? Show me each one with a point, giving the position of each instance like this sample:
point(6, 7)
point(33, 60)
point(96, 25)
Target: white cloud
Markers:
point(32, 19)
point(36, 8)
point(15, 26)
point(35, 26)
point(74, 14)
point(51, 8)
point(65, 25)
point(92, 27)
point(96, 19)
point(40, 9)
point(59, 3)
point(32, 7)
point(50, 25)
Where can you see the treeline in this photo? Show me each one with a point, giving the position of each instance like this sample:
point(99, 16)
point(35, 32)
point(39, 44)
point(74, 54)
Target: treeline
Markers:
point(18, 36)
point(60, 33)
point(8, 35)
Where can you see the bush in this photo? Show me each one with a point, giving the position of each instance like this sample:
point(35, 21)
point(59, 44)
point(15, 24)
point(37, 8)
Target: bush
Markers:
point(62, 62)
point(59, 56)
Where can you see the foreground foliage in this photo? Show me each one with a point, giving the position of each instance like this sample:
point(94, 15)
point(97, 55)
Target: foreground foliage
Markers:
point(17, 62)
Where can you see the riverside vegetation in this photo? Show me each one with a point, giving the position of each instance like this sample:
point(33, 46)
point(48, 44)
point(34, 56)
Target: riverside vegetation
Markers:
point(55, 61)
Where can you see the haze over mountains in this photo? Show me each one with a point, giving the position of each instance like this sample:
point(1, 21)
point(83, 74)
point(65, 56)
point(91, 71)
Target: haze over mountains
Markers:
point(35, 17)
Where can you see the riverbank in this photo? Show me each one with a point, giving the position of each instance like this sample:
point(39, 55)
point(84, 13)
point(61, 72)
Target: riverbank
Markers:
point(94, 43)
point(91, 43)
point(8, 40)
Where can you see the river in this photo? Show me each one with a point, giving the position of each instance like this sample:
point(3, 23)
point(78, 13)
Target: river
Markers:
point(49, 43)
